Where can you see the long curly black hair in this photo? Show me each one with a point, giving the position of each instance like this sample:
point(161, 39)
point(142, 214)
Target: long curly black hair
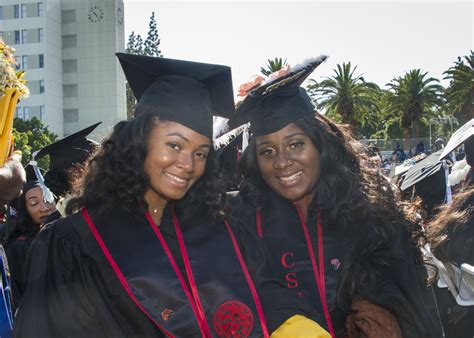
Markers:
point(116, 178)
point(353, 196)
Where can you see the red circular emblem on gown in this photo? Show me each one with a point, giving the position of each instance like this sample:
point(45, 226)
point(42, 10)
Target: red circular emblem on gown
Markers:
point(233, 320)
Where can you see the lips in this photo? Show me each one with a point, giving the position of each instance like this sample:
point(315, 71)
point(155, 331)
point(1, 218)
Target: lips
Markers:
point(176, 180)
point(290, 179)
point(44, 218)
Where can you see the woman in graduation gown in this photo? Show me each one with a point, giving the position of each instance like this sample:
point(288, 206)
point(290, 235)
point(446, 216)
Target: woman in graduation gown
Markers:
point(332, 224)
point(32, 213)
point(149, 253)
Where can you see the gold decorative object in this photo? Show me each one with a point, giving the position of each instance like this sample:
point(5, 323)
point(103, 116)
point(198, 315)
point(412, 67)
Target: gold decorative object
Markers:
point(12, 88)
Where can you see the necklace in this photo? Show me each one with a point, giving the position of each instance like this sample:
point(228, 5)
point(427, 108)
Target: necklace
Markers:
point(158, 209)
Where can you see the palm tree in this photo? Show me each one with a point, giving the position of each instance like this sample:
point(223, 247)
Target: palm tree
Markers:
point(346, 97)
point(412, 98)
point(273, 66)
point(460, 93)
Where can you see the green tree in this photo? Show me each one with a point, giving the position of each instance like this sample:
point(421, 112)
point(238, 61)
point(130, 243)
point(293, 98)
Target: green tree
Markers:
point(134, 44)
point(460, 93)
point(152, 42)
point(347, 98)
point(273, 66)
point(149, 47)
point(32, 135)
point(411, 100)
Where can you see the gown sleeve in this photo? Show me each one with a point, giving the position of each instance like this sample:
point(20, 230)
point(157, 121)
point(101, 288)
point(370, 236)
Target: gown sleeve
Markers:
point(17, 257)
point(56, 302)
point(72, 292)
point(402, 289)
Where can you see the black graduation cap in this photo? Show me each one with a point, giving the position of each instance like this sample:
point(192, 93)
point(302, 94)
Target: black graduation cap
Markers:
point(186, 92)
point(279, 102)
point(30, 184)
point(69, 150)
point(30, 172)
point(428, 179)
point(459, 137)
point(34, 178)
point(422, 170)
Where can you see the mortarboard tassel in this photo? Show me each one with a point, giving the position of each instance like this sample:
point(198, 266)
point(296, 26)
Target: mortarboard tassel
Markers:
point(48, 196)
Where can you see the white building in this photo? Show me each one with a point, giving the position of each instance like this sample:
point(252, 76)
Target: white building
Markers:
point(67, 48)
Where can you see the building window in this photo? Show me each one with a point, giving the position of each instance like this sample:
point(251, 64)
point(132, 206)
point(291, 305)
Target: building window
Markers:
point(40, 9)
point(17, 37)
point(41, 61)
point(24, 62)
point(18, 112)
point(70, 66)
point(23, 11)
point(16, 11)
point(1, 12)
point(69, 91)
point(26, 113)
point(40, 35)
point(18, 62)
point(41, 83)
point(24, 36)
point(69, 41)
point(42, 112)
point(68, 16)
point(70, 115)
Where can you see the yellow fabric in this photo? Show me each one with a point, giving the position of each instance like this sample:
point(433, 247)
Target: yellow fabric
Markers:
point(300, 327)
point(8, 103)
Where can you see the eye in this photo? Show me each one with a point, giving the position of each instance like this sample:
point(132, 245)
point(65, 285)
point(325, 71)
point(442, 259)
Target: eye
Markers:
point(266, 152)
point(173, 146)
point(296, 144)
point(202, 155)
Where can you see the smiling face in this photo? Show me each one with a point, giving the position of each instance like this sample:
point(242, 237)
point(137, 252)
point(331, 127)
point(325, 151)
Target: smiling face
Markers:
point(38, 209)
point(289, 163)
point(176, 159)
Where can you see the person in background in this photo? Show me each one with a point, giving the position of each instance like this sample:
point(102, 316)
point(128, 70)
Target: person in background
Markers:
point(420, 148)
point(32, 213)
point(400, 153)
point(12, 178)
point(451, 238)
point(69, 158)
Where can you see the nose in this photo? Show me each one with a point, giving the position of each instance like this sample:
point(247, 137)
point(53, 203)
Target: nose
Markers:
point(282, 161)
point(44, 206)
point(185, 162)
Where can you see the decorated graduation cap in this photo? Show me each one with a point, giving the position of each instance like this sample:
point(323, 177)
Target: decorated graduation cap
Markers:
point(424, 169)
point(278, 102)
point(69, 150)
point(460, 136)
point(428, 179)
point(186, 92)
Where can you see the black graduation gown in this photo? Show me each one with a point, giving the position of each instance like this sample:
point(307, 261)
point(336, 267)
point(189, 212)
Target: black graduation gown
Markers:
point(398, 287)
point(17, 254)
point(73, 291)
